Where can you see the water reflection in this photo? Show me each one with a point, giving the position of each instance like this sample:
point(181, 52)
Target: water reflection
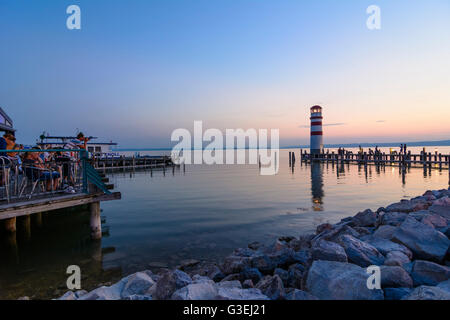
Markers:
point(317, 186)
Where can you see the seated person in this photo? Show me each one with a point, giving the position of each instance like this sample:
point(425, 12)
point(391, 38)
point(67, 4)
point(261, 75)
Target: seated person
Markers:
point(35, 169)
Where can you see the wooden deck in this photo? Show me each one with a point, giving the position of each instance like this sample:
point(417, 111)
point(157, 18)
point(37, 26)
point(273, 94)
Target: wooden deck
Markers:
point(24, 208)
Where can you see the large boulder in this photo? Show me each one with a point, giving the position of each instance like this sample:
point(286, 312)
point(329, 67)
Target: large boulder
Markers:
point(429, 273)
point(393, 218)
point(396, 258)
point(434, 220)
point(296, 274)
point(300, 295)
point(395, 277)
point(385, 232)
point(441, 207)
point(204, 290)
point(252, 274)
point(271, 286)
point(327, 250)
point(366, 218)
point(204, 268)
point(424, 241)
point(137, 284)
point(169, 282)
point(235, 264)
point(445, 285)
point(385, 246)
point(334, 234)
point(427, 293)
point(359, 252)
point(408, 205)
point(332, 280)
point(107, 292)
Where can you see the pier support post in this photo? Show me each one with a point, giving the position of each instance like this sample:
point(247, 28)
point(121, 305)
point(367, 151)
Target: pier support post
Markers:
point(10, 225)
point(96, 223)
point(38, 219)
point(25, 226)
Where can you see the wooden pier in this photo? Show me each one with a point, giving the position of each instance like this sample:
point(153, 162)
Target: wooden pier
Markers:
point(104, 164)
point(425, 160)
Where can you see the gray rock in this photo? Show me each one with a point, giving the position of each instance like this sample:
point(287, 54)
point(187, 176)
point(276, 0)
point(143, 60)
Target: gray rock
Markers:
point(247, 284)
point(396, 293)
point(359, 252)
point(385, 246)
point(235, 264)
point(393, 218)
point(283, 274)
point(385, 232)
point(327, 250)
point(296, 274)
point(230, 284)
point(366, 218)
point(204, 268)
point(69, 295)
point(233, 276)
point(407, 206)
point(441, 207)
point(429, 273)
point(197, 291)
point(302, 243)
point(300, 295)
point(395, 277)
point(434, 220)
point(445, 285)
point(302, 256)
point(252, 274)
point(332, 280)
point(240, 294)
point(335, 233)
point(272, 287)
point(427, 293)
point(169, 282)
point(396, 258)
point(139, 297)
point(424, 241)
point(106, 293)
point(137, 284)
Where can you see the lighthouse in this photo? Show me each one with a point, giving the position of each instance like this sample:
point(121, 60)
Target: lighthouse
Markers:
point(316, 144)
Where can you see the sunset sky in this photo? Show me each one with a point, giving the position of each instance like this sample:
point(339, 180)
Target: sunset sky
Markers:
point(139, 69)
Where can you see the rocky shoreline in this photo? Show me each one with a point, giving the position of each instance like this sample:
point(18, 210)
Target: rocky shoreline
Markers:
point(408, 240)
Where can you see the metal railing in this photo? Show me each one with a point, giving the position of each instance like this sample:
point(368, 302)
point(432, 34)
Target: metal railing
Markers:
point(34, 173)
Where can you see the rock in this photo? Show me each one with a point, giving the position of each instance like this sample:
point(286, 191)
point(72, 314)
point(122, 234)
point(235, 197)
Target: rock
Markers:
point(169, 282)
point(427, 293)
point(233, 276)
point(247, 284)
point(359, 252)
point(254, 245)
point(393, 218)
point(327, 250)
point(188, 263)
point(300, 295)
point(137, 284)
point(235, 264)
point(429, 273)
point(323, 227)
point(69, 295)
point(385, 232)
point(335, 233)
point(445, 285)
point(24, 298)
point(103, 293)
point(366, 218)
point(302, 256)
point(396, 293)
point(407, 206)
point(364, 231)
point(208, 269)
point(424, 241)
point(332, 280)
point(266, 263)
point(441, 207)
point(240, 294)
point(272, 287)
point(196, 291)
point(230, 284)
point(395, 277)
point(138, 297)
point(385, 246)
point(296, 274)
point(434, 220)
point(252, 274)
point(283, 274)
point(396, 258)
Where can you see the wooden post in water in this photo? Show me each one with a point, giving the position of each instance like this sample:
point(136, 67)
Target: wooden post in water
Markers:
point(96, 223)
point(38, 219)
point(290, 159)
point(10, 225)
point(25, 226)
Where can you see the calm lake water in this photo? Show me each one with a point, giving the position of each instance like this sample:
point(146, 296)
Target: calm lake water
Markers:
point(203, 213)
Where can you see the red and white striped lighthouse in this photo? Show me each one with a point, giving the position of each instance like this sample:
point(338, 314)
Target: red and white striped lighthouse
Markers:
point(316, 144)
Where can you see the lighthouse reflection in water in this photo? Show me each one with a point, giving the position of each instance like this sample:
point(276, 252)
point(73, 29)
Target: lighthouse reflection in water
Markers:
point(317, 185)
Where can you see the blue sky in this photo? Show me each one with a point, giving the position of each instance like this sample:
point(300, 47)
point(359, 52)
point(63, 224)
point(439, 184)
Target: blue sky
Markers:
point(137, 70)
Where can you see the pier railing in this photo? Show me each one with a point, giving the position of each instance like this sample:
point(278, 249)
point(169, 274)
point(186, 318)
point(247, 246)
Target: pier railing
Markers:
point(33, 173)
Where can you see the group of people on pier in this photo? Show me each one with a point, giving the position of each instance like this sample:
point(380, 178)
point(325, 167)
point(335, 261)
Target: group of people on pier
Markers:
point(53, 168)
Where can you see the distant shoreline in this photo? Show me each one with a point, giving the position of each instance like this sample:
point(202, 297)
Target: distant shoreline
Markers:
point(441, 143)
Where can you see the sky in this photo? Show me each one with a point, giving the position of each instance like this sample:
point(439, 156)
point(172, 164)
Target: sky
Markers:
point(139, 69)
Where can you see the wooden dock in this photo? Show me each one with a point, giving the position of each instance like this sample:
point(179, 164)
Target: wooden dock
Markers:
point(425, 160)
point(104, 164)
